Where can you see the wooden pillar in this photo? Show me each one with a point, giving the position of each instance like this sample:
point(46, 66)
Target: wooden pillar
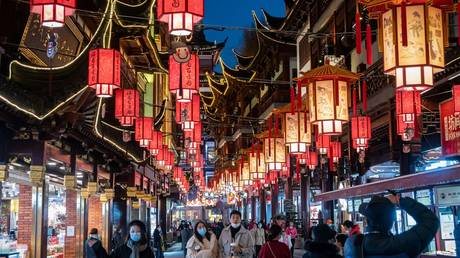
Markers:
point(162, 203)
point(263, 205)
point(305, 202)
point(253, 207)
point(70, 246)
point(275, 199)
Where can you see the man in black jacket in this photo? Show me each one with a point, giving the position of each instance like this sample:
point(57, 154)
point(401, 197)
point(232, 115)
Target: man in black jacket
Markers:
point(380, 215)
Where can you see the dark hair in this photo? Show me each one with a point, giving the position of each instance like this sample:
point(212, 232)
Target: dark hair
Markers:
point(197, 235)
point(93, 231)
point(341, 238)
point(235, 212)
point(274, 232)
point(141, 225)
point(348, 224)
point(280, 217)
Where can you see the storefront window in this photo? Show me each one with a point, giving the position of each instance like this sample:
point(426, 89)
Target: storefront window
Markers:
point(56, 221)
point(9, 217)
point(153, 219)
point(446, 218)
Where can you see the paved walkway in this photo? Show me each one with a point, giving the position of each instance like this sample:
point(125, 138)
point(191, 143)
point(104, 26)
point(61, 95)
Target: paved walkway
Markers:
point(176, 252)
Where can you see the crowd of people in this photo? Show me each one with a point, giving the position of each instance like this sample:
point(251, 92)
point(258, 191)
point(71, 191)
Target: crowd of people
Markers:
point(277, 239)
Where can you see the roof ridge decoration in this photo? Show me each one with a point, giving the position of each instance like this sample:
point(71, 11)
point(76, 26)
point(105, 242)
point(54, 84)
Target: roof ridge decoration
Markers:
point(273, 22)
point(245, 76)
point(328, 71)
point(221, 85)
point(269, 34)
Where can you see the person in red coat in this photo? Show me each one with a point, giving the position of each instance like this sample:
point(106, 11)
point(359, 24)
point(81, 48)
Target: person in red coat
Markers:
point(274, 248)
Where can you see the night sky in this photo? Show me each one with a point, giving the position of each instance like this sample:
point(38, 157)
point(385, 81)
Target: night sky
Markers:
point(236, 13)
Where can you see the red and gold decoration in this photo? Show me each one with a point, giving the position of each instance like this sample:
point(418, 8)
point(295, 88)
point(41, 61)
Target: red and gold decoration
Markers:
point(257, 166)
point(413, 37)
point(188, 113)
point(53, 12)
point(143, 133)
point(274, 145)
point(245, 173)
point(336, 151)
point(184, 80)
point(181, 15)
point(323, 143)
point(456, 94)
point(126, 106)
point(193, 139)
point(360, 124)
point(156, 143)
point(104, 71)
point(328, 88)
point(408, 108)
point(310, 159)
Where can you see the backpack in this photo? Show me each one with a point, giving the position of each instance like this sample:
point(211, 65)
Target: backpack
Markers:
point(358, 250)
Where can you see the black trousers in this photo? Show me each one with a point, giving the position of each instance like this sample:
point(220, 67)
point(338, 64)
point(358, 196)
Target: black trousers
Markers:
point(292, 248)
point(258, 247)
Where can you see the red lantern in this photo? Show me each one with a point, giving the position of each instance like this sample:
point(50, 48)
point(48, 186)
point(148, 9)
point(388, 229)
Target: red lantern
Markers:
point(52, 12)
point(408, 105)
point(285, 170)
point(407, 131)
point(336, 151)
point(297, 132)
point(323, 142)
point(184, 80)
point(274, 146)
point(169, 160)
point(456, 92)
point(126, 106)
point(360, 132)
point(328, 88)
point(104, 71)
point(156, 143)
point(143, 133)
point(188, 113)
point(181, 15)
point(310, 159)
point(193, 138)
point(257, 166)
point(162, 156)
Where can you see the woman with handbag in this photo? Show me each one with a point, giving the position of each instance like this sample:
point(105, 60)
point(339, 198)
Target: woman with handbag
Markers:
point(274, 248)
point(203, 243)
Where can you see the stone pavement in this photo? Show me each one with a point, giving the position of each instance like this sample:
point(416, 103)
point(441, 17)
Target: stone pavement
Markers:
point(176, 252)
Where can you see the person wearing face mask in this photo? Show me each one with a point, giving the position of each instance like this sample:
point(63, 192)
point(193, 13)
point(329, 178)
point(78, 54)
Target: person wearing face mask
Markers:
point(291, 231)
point(258, 233)
point(235, 240)
point(136, 245)
point(203, 243)
point(158, 242)
point(93, 246)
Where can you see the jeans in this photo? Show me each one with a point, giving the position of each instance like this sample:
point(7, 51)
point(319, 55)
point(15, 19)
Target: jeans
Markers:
point(159, 253)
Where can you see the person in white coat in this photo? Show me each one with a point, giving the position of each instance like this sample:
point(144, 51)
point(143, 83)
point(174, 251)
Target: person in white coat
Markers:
point(203, 243)
point(258, 233)
point(235, 240)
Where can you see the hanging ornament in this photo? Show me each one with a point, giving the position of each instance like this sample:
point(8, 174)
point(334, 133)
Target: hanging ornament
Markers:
point(104, 71)
point(456, 94)
point(257, 166)
point(53, 12)
point(323, 142)
point(188, 113)
point(184, 80)
point(336, 151)
point(408, 105)
point(156, 143)
point(274, 146)
point(126, 106)
point(181, 15)
point(143, 132)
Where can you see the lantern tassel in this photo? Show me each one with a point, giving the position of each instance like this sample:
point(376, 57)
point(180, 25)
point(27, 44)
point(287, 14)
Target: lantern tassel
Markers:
point(292, 100)
point(297, 168)
point(258, 154)
point(354, 101)
point(299, 96)
point(276, 125)
point(358, 31)
point(458, 21)
point(368, 44)
point(270, 135)
point(252, 151)
point(404, 23)
point(364, 95)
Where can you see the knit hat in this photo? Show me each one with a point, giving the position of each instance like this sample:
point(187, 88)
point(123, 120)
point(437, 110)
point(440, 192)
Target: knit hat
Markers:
point(380, 213)
point(323, 233)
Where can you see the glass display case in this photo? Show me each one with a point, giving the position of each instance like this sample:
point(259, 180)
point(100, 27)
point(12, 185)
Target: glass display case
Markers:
point(56, 221)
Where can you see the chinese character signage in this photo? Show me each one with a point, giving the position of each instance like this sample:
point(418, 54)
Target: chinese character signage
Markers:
point(450, 129)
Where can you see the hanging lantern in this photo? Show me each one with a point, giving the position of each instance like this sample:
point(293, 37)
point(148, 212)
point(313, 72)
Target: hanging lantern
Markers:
point(126, 106)
point(169, 160)
point(274, 147)
point(336, 151)
point(360, 132)
point(413, 40)
point(181, 15)
point(52, 12)
point(297, 132)
point(257, 164)
point(143, 133)
point(156, 143)
point(328, 88)
point(408, 105)
point(285, 168)
point(456, 93)
point(193, 138)
point(104, 71)
point(245, 174)
point(323, 142)
point(310, 159)
point(188, 113)
point(184, 78)
point(162, 157)
point(407, 131)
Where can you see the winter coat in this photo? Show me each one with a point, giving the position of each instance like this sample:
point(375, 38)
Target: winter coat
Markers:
point(279, 250)
point(292, 232)
point(407, 244)
point(157, 239)
point(205, 249)
point(124, 251)
point(321, 250)
point(242, 238)
point(348, 247)
point(95, 251)
point(259, 236)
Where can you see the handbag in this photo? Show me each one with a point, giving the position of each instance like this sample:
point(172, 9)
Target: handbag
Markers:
point(271, 251)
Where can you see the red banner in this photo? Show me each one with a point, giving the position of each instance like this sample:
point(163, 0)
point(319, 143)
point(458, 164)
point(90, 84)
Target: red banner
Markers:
point(450, 129)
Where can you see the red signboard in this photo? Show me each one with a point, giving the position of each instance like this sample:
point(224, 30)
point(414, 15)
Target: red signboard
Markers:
point(450, 129)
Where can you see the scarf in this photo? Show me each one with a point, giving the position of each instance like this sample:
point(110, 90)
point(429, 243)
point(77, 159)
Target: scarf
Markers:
point(136, 249)
point(233, 231)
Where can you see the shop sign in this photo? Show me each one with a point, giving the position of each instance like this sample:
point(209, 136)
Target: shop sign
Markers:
point(447, 195)
point(36, 174)
point(103, 197)
point(3, 173)
point(140, 194)
point(131, 192)
point(110, 193)
point(70, 182)
point(92, 187)
point(84, 193)
point(450, 129)
point(136, 205)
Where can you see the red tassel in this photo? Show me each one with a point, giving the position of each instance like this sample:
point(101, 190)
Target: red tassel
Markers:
point(354, 101)
point(297, 168)
point(292, 100)
point(276, 125)
point(258, 154)
point(364, 95)
point(404, 23)
point(458, 22)
point(242, 161)
point(299, 96)
point(270, 121)
point(252, 151)
point(358, 32)
point(368, 44)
